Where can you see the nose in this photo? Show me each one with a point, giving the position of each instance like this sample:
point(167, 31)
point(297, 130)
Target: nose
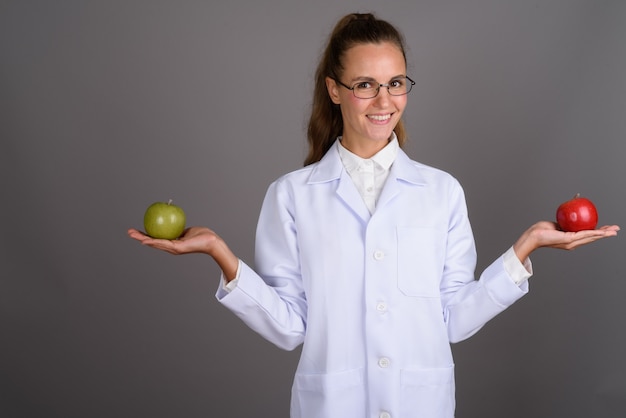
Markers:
point(383, 95)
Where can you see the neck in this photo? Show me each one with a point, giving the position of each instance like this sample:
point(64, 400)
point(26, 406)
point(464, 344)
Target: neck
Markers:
point(364, 149)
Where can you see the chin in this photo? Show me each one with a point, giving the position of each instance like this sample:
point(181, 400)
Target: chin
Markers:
point(381, 136)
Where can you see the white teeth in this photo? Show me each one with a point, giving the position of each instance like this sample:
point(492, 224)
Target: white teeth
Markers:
point(379, 117)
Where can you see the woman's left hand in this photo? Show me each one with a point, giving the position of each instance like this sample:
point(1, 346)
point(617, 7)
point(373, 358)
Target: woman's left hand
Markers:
point(547, 234)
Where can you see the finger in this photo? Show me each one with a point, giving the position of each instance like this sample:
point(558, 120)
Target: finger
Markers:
point(138, 235)
point(161, 244)
point(610, 231)
point(610, 228)
point(601, 232)
point(587, 240)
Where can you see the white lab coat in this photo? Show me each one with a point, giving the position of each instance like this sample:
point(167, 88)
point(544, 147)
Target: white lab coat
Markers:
point(376, 299)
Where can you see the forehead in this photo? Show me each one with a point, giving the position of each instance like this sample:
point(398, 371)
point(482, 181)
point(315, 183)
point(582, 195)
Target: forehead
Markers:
point(374, 60)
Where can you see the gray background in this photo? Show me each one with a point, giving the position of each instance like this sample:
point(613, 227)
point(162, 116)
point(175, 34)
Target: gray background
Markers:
point(108, 106)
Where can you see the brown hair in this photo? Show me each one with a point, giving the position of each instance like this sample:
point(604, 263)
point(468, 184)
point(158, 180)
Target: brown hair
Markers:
point(326, 123)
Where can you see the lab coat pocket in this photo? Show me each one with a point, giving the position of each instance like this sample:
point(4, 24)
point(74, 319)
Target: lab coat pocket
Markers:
point(421, 255)
point(428, 393)
point(329, 395)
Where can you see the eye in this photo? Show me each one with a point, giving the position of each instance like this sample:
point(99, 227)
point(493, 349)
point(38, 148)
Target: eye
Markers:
point(363, 85)
point(397, 84)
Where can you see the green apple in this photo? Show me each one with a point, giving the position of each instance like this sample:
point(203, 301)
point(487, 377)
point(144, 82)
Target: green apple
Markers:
point(164, 220)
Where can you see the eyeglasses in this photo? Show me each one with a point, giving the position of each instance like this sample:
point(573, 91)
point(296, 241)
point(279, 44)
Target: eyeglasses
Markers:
point(369, 89)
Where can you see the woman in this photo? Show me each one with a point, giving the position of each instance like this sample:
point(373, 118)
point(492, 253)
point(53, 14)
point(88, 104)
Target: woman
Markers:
point(364, 256)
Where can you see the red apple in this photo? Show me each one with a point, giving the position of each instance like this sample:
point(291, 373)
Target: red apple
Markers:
point(164, 220)
point(577, 214)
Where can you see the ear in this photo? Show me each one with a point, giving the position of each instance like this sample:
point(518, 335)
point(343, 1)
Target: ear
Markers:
point(333, 90)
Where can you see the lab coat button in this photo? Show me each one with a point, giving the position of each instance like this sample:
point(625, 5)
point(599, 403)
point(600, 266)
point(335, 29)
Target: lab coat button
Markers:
point(381, 307)
point(384, 362)
point(379, 255)
point(385, 414)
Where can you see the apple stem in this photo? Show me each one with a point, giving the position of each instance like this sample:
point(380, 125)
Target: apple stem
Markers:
point(576, 196)
point(169, 202)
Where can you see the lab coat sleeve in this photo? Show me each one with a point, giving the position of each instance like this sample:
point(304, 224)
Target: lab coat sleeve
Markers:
point(468, 304)
point(271, 300)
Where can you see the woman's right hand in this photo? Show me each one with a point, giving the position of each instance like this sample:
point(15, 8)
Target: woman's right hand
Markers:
point(194, 240)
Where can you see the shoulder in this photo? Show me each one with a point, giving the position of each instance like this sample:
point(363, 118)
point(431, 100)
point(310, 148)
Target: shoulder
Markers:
point(295, 177)
point(328, 169)
point(288, 186)
point(420, 173)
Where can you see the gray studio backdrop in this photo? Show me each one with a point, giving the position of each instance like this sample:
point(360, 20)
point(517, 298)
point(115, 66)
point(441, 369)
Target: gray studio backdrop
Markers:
point(108, 106)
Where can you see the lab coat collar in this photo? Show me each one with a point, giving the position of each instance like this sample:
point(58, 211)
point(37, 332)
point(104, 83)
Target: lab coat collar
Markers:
point(330, 168)
point(403, 168)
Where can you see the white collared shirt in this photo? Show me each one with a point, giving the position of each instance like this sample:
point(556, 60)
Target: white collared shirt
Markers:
point(369, 174)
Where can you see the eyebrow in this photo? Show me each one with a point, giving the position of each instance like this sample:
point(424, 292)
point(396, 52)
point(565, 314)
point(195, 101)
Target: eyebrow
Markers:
point(365, 78)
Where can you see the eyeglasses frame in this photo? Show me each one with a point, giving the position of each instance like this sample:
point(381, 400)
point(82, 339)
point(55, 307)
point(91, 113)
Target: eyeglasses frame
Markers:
point(412, 83)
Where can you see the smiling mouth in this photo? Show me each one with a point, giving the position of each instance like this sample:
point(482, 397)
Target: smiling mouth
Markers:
point(380, 118)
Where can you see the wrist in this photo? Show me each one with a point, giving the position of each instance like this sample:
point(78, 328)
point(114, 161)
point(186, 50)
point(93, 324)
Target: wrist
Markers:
point(225, 259)
point(525, 245)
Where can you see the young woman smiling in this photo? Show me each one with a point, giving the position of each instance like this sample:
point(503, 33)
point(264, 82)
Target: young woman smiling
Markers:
point(364, 256)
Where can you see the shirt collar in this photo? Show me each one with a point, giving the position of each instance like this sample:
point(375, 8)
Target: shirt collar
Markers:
point(330, 167)
point(384, 158)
